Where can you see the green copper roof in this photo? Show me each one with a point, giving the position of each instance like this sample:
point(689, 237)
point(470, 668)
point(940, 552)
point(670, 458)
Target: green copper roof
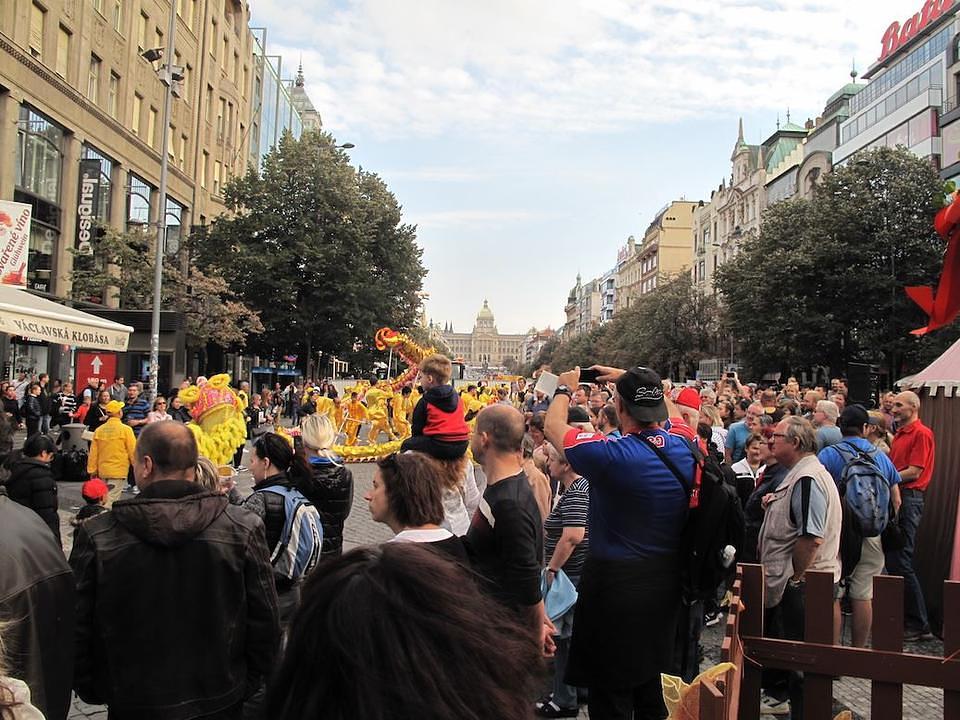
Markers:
point(781, 151)
point(848, 89)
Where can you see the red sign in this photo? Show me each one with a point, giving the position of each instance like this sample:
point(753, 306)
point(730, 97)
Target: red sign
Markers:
point(897, 36)
point(95, 366)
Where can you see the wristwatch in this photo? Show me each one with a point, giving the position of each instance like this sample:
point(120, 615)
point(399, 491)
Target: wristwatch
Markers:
point(562, 390)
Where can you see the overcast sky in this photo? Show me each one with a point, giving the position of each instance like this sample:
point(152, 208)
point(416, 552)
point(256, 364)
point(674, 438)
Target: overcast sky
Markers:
point(527, 139)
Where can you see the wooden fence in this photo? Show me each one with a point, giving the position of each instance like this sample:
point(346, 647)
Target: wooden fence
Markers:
point(736, 695)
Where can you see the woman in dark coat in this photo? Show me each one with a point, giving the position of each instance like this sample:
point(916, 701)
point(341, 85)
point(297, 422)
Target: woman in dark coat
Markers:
point(97, 414)
point(332, 489)
point(31, 481)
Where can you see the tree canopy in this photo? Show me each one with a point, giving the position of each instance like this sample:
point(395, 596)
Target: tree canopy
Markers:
point(823, 281)
point(318, 249)
point(121, 268)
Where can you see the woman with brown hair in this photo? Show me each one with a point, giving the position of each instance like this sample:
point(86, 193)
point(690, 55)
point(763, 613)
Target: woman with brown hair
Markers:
point(407, 496)
point(396, 632)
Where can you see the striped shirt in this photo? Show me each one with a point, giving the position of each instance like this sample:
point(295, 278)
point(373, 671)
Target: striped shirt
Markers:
point(570, 511)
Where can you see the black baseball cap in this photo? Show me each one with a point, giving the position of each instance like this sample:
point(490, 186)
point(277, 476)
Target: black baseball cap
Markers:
point(854, 416)
point(641, 390)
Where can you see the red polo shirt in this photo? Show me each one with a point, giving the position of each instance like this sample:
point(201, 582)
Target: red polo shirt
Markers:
point(913, 445)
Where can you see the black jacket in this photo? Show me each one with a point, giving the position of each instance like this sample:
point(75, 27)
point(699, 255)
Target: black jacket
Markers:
point(96, 416)
point(31, 484)
point(31, 407)
point(332, 494)
point(45, 399)
point(12, 408)
point(443, 397)
point(176, 609)
point(36, 589)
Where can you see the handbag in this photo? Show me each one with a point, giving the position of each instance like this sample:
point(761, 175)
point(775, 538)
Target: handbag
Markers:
point(559, 597)
point(892, 538)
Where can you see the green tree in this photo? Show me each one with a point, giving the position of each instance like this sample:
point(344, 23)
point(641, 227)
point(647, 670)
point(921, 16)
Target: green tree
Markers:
point(121, 268)
point(822, 283)
point(318, 248)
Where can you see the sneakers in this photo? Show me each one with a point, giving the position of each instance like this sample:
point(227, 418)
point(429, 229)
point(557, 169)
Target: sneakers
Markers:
point(550, 709)
point(771, 706)
point(711, 618)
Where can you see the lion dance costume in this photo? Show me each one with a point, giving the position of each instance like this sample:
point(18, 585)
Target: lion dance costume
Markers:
point(218, 421)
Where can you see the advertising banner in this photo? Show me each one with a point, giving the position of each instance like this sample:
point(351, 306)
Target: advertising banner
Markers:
point(14, 242)
point(88, 201)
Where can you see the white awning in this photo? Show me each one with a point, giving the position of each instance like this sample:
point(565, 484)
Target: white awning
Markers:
point(39, 319)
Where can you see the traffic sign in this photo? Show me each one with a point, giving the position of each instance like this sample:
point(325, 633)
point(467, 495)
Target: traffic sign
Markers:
point(94, 367)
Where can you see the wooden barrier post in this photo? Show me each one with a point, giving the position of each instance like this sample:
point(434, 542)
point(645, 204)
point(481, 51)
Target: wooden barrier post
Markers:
point(886, 699)
point(951, 642)
point(818, 628)
point(751, 624)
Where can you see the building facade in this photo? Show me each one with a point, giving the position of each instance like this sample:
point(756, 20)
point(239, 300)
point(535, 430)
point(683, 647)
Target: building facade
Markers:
point(902, 102)
point(274, 109)
point(608, 295)
point(533, 343)
point(666, 250)
point(732, 214)
point(78, 99)
point(582, 308)
point(484, 347)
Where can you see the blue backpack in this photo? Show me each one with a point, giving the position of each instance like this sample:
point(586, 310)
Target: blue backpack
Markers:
point(865, 490)
point(301, 540)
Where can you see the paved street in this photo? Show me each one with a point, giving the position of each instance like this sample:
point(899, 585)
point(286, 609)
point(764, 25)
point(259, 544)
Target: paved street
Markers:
point(919, 703)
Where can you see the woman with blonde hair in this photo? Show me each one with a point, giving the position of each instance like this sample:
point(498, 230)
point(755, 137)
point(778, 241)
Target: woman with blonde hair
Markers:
point(331, 491)
point(14, 694)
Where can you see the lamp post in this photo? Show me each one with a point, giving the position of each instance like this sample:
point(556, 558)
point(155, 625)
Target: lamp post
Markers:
point(166, 77)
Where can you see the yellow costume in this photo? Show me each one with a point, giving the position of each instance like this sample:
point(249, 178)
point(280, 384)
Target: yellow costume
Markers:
point(356, 413)
point(401, 414)
point(377, 413)
point(218, 420)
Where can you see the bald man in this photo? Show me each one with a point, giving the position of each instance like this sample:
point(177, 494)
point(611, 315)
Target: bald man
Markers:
point(912, 454)
point(141, 646)
point(505, 539)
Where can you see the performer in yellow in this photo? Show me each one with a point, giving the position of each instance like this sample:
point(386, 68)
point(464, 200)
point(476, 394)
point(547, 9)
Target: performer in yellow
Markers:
point(402, 408)
point(356, 413)
point(377, 414)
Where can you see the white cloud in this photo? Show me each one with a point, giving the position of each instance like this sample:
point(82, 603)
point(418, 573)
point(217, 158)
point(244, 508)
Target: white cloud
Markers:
point(428, 67)
point(480, 219)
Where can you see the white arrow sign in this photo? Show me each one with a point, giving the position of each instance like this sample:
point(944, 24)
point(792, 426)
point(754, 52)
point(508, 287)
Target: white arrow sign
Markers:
point(96, 364)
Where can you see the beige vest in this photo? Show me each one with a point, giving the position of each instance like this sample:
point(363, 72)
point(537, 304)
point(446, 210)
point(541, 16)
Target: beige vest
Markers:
point(779, 534)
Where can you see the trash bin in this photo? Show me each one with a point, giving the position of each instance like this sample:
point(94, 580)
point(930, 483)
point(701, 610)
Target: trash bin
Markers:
point(71, 437)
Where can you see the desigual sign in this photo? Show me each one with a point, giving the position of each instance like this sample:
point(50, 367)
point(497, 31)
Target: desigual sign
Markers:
point(898, 35)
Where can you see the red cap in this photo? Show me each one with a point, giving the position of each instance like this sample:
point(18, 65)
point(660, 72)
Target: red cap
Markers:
point(95, 489)
point(689, 397)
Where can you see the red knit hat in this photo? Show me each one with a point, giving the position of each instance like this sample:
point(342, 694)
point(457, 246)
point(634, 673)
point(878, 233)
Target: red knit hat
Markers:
point(689, 397)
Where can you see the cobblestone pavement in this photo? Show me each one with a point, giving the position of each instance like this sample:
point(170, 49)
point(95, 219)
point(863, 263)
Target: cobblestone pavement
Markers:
point(919, 703)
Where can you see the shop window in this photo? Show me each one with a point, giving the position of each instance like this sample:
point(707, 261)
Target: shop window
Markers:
point(139, 199)
point(106, 180)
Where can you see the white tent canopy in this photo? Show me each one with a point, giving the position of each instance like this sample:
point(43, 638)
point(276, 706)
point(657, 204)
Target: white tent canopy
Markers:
point(39, 319)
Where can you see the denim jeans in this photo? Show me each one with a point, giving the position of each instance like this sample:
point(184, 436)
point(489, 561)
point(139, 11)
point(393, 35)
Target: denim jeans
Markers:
point(564, 695)
point(45, 424)
point(900, 562)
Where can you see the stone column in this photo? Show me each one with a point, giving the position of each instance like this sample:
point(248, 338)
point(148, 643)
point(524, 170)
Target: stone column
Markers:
point(9, 116)
point(63, 259)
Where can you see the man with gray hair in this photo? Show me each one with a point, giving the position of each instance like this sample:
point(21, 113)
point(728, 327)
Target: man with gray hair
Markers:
point(825, 420)
point(800, 532)
point(912, 454)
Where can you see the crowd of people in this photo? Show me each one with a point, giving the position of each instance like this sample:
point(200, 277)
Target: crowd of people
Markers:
point(536, 560)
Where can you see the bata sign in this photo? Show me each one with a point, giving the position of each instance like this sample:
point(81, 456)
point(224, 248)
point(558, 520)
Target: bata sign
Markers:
point(898, 35)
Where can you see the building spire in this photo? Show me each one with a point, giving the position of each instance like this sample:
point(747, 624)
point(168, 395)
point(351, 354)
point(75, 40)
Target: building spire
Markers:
point(299, 80)
point(740, 134)
point(853, 70)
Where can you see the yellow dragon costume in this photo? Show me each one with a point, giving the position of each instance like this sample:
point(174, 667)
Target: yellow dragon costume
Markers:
point(218, 422)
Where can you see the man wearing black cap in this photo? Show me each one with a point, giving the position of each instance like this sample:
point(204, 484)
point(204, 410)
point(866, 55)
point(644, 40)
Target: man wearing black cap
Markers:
point(625, 622)
point(859, 583)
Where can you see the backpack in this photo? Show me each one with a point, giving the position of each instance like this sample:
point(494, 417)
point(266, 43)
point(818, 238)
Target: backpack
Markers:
point(716, 523)
point(301, 539)
point(864, 489)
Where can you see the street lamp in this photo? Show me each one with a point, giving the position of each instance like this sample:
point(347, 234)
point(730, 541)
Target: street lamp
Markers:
point(166, 77)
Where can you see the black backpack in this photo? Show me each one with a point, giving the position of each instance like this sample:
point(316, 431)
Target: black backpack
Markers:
point(715, 523)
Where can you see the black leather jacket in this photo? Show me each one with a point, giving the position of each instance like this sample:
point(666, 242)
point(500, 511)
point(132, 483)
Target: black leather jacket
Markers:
point(37, 590)
point(31, 483)
point(332, 494)
point(176, 609)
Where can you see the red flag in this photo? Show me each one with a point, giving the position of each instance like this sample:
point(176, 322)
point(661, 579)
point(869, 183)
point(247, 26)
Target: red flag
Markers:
point(944, 306)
